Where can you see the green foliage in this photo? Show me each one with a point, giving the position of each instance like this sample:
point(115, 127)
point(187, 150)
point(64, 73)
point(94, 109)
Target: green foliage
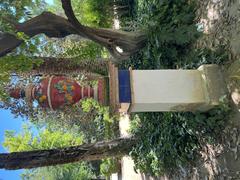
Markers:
point(75, 171)
point(235, 71)
point(171, 31)
point(96, 13)
point(14, 64)
point(89, 12)
point(84, 50)
point(109, 166)
point(69, 48)
point(88, 104)
point(18, 63)
point(87, 117)
point(197, 57)
point(22, 36)
point(171, 140)
point(77, 50)
point(48, 139)
point(105, 124)
point(15, 10)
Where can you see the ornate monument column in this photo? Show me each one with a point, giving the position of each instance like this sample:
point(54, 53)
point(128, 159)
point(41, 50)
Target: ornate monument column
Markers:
point(135, 90)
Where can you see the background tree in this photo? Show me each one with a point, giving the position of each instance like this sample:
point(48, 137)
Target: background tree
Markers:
point(52, 157)
point(47, 139)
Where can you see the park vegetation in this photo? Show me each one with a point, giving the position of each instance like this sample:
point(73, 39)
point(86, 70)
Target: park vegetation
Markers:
point(154, 35)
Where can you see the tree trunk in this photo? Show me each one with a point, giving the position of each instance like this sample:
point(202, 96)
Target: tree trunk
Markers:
point(53, 65)
point(120, 44)
point(41, 158)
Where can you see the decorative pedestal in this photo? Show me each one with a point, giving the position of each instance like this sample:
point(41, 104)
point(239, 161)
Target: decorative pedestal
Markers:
point(168, 90)
point(134, 90)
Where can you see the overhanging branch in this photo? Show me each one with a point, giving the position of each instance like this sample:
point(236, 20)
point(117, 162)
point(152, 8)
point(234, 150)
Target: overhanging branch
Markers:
point(8, 42)
point(46, 23)
point(55, 26)
point(130, 43)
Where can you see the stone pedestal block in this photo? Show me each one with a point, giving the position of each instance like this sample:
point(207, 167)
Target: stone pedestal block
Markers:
point(166, 90)
point(176, 90)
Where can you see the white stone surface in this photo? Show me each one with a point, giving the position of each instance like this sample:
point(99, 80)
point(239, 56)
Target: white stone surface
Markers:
point(114, 177)
point(164, 90)
point(177, 90)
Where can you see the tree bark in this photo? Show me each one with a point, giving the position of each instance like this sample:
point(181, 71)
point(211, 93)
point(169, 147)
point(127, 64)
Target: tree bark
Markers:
point(53, 65)
point(55, 26)
point(8, 42)
point(89, 152)
point(46, 23)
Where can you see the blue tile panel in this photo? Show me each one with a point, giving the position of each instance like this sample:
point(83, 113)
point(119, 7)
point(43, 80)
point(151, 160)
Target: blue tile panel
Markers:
point(124, 86)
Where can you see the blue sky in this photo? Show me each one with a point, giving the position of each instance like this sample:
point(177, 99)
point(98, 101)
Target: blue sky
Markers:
point(8, 122)
point(50, 1)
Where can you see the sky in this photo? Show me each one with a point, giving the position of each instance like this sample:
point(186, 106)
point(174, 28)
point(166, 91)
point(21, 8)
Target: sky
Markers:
point(49, 1)
point(8, 122)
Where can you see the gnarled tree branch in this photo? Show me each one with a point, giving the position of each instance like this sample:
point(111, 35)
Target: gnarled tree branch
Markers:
point(8, 42)
point(55, 26)
point(46, 23)
point(130, 43)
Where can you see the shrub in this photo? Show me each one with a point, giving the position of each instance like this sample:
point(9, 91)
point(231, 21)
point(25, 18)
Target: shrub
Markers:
point(109, 166)
point(171, 31)
point(171, 140)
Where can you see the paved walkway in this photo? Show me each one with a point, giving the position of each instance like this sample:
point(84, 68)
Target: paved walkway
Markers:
point(128, 172)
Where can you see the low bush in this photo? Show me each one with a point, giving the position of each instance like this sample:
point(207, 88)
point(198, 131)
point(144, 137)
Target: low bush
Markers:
point(171, 140)
point(109, 166)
